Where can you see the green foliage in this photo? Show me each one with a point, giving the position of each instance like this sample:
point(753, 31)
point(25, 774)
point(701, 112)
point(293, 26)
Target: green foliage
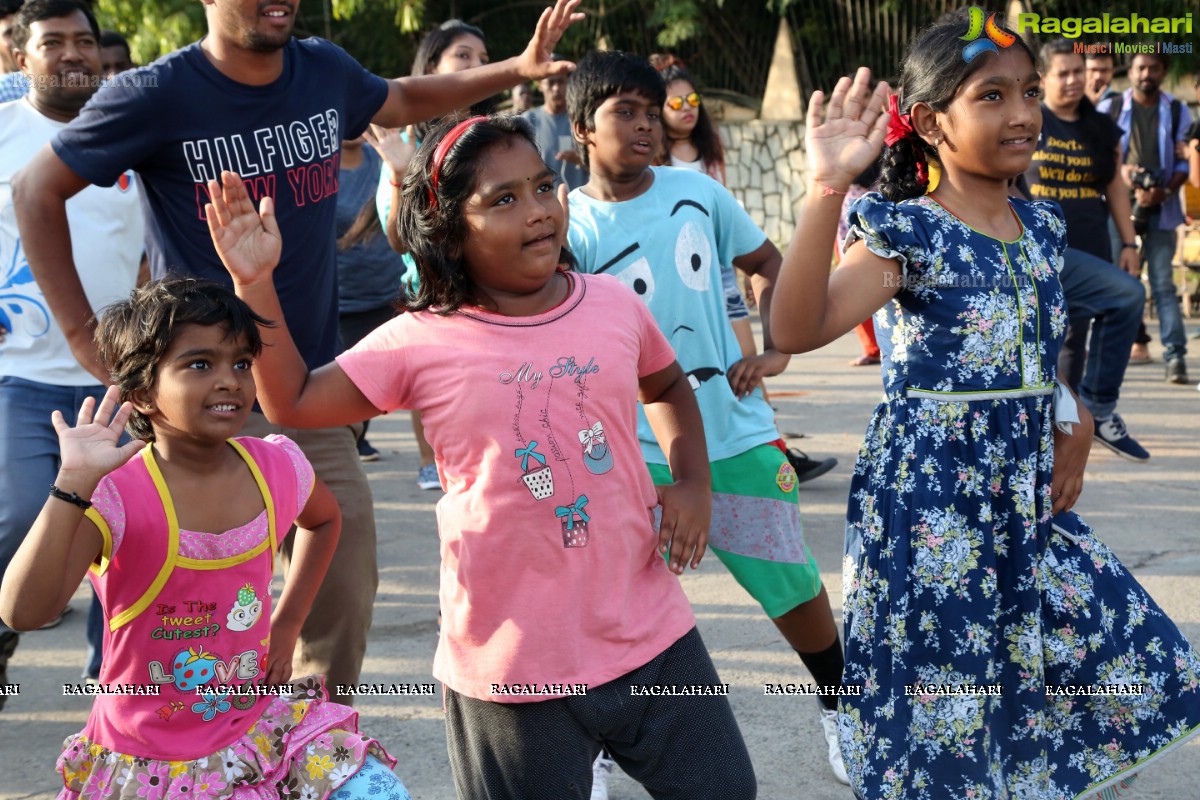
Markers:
point(407, 15)
point(680, 20)
point(153, 27)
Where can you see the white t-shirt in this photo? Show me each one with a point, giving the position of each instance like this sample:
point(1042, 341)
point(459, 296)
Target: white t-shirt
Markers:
point(694, 166)
point(106, 237)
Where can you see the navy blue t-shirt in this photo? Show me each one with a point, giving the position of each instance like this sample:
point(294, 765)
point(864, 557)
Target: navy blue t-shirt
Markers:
point(178, 122)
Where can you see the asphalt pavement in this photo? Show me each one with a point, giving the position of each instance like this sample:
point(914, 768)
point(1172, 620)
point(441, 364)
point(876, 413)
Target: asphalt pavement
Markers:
point(1146, 512)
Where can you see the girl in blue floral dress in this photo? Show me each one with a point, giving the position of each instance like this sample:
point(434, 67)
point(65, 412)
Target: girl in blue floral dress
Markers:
point(1000, 649)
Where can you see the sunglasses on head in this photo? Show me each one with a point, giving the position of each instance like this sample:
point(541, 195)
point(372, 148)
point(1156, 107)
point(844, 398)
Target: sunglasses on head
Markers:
point(676, 103)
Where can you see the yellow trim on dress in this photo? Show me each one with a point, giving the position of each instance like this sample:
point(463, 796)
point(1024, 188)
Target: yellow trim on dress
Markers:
point(164, 572)
point(101, 566)
point(173, 558)
point(266, 495)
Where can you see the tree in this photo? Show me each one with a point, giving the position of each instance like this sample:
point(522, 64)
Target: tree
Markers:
point(153, 27)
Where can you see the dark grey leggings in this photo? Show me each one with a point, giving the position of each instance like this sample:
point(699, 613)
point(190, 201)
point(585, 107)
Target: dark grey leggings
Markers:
point(677, 747)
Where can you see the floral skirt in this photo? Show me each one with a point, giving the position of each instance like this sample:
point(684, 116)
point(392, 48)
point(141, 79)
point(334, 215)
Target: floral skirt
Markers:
point(998, 653)
point(303, 747)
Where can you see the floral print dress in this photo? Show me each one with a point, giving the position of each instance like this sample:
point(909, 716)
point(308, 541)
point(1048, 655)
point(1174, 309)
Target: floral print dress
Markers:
point(999, 652)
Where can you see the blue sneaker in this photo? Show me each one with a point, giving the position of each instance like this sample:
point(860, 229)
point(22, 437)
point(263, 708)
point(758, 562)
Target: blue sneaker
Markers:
point(427, 477)
point(1112, 434)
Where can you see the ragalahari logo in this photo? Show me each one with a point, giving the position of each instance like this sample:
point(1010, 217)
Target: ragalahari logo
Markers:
point(995, 39)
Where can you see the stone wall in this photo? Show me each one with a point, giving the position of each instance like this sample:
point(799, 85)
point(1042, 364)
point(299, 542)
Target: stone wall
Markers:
point(766, 169)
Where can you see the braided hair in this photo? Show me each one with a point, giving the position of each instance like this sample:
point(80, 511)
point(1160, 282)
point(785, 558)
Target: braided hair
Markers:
point(932, 72)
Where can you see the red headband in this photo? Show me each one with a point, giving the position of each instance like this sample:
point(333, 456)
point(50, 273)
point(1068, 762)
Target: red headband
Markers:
point(439, 155)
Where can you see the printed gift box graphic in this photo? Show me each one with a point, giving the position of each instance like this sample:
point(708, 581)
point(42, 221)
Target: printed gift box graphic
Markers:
point(574, 531)
point(596, 455)
point(538, 480)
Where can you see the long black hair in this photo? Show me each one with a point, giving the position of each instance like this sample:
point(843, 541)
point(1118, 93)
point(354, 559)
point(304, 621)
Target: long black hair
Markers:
point(704, 136)
point(932, 71)
point(1099, 132)
point(429, 53)
point(430, 220)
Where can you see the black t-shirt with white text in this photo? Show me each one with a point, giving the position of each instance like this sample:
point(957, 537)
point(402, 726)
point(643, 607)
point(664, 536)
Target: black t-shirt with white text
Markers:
point(1064, 170)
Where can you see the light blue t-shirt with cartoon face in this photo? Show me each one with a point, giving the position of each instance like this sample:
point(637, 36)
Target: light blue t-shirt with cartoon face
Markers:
point(668, 245)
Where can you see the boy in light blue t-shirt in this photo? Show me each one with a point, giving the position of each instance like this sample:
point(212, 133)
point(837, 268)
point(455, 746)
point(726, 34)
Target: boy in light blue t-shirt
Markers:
point(666, 234)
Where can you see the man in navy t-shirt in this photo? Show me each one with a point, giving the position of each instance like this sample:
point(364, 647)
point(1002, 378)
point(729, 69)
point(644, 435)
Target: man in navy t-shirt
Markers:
point(251, 99)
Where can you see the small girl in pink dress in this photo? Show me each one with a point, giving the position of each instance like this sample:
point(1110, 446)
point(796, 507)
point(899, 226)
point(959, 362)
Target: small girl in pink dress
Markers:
point(179, 540)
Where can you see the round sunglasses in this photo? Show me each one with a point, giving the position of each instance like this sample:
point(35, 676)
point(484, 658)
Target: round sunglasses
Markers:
point(675, 103)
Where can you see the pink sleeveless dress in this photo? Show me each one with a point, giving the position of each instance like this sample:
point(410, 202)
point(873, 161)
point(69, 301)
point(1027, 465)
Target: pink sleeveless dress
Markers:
point(186, 711)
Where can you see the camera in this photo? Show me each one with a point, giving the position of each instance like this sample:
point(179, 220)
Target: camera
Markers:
point(1144, 179)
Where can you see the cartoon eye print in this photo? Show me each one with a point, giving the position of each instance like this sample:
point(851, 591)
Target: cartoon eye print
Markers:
point(244, 617)
point(639, 277)
point(246, 610)
point(693, 257)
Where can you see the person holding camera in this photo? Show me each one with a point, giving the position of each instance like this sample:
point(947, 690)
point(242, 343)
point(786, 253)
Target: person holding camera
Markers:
point(1075, 165)
point(1154, 123)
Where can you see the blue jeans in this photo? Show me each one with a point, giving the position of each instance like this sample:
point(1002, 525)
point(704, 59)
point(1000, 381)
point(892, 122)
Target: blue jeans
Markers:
point(1158, 248)
point(29, 464)
point(1111, 300)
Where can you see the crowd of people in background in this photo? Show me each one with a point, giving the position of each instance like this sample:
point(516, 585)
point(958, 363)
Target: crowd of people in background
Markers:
point(279, 246)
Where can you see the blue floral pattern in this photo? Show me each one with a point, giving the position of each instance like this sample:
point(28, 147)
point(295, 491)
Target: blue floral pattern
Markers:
point(23, 314)
point(975, 622)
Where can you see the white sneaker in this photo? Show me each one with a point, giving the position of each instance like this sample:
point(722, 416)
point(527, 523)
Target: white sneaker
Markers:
point(601, 768)
point(830, 727)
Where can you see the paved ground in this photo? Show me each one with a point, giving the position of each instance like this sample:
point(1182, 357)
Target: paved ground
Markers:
point(1147, 513)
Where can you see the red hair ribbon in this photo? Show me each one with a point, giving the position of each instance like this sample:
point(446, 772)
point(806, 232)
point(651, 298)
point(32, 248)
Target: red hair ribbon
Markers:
point(899, 128)
point(899, 125)
point(443, 148)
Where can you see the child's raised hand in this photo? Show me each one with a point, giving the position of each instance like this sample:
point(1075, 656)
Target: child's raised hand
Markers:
point(683, 531)
point(536, 62)
point(850, 138)
point(561, 193)
point(89, 450)
point(247, 241)
point(394, 146)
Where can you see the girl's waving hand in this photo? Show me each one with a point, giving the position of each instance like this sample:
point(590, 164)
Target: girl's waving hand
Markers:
point(247, 241)
point(89, 450)
point(851, 136)
point(54, 557)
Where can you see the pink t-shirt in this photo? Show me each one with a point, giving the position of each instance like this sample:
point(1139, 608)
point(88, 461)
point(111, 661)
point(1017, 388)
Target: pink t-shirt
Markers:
point(549, 571)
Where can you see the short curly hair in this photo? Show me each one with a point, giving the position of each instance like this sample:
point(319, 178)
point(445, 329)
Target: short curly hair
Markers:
point(133, 335)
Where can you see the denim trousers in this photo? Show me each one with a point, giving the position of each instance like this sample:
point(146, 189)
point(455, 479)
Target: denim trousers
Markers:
point(29, 462)
point(1111, 301)
point(1158, 249)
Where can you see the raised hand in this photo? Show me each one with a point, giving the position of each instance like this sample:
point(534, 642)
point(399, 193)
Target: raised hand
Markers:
point(851, 136)
point(395, 148)
point(561, 192)
point(89, 450)
point(247, 241)
point(535, 63)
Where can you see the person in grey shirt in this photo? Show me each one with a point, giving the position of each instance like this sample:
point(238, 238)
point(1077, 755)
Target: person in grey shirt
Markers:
point(553, 131)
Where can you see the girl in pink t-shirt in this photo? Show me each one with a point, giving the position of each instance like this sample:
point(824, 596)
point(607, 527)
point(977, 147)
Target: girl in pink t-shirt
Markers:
point(564, 629)
point(193, 697)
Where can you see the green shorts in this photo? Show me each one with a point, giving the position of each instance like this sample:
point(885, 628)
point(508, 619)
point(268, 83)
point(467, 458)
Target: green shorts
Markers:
point(756, 529)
